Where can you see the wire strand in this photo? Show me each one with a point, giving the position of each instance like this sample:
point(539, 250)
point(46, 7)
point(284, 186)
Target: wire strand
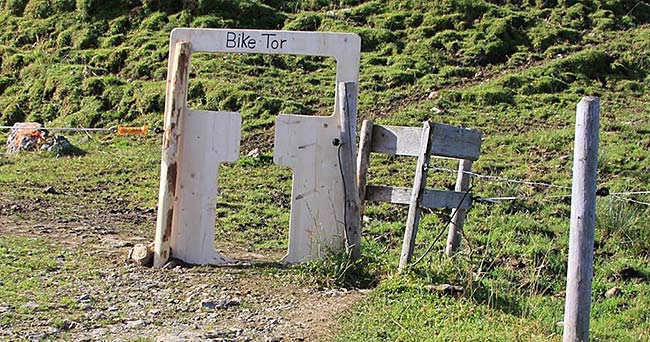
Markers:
point(620, 198)
point(65, 129)
point(630, 193)
point(500, 179)
point(514, 198)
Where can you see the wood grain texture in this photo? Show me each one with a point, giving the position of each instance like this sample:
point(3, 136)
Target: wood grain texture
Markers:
point(583, 220)
point(458, 215)
point(363, 160)
point(448, 141)
point(419, 183)
point(348, 101)
point(432, 199)
point(175, 107)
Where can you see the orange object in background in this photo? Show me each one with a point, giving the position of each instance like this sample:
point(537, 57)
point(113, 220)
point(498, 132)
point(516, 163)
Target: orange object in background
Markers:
point(132, 130)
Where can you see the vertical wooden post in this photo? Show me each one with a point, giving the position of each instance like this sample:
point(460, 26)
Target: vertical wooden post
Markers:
point(583, 219)
point(365, 142)
point(458, 215)
point(419, 184)
point(175, 107)
point(348, 101)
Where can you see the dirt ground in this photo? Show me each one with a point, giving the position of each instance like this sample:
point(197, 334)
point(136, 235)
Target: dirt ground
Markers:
point(255, 301)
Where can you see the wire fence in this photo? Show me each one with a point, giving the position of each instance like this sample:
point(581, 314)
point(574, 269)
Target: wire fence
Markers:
point(603, 191)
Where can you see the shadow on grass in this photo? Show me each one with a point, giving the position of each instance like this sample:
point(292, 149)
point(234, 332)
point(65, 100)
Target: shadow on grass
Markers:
point(495, 301)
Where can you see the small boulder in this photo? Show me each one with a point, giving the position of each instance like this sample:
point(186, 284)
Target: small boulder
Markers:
point(25, 136)
point(141, 254)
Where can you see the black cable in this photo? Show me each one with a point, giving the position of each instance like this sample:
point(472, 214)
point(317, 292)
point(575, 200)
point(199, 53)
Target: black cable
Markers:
point(442, 231)
point(337, 142)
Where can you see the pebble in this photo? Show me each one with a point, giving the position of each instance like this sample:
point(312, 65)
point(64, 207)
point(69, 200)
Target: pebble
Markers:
point(137, 323)
point(613, 292)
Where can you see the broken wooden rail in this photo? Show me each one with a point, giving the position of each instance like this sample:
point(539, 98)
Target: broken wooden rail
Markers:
point(433, 139)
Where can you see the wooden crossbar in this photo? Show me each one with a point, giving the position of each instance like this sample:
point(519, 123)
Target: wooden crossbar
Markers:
point(432, 199)
point(447, 141)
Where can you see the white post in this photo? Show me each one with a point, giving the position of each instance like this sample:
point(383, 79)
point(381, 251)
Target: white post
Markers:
point(583, 219)
point(458, 215)
point(175, 107)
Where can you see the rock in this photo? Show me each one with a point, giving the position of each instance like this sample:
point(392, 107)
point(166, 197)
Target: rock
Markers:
point(233, 302)
point(25, 136)
point(58, 144)
point(170, 264)
point(613, 292)
point(254, 153)
point(138, 323)
point(220, 303)
point(141, 254)
point(69, 325)
point(446, 289)
point(51, 190)
point(31, 306)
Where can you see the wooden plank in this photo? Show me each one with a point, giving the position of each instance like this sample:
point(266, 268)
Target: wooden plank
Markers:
point(209, 138)
point(448, 141)
point(402, 141)
point(432, 199)
point(344, 47)
point(455, 142)
point(348, 101)
point(458, 215)
point(583, 220)
point(175, 108)
point(363, 159)
point(419, 183)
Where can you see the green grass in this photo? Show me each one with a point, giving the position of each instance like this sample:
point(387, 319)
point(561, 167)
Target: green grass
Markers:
point(514, 69)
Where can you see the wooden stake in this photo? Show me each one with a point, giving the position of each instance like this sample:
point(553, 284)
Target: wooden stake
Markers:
point(458, 215)
point(419, 184)
point(174, 112)
point(348, 102)
point(365, 142)
point(583, 219)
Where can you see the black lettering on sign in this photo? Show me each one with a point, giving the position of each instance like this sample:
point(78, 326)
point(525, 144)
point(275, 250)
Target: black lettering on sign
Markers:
point(239, 41)
point(245, 40)
point(273, 43)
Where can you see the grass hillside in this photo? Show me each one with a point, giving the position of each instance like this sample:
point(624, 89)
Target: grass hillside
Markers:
point(512, 69)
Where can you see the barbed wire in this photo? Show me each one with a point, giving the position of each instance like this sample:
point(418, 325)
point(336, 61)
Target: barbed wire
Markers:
point(501, 179)
point(631, 200)
point(630, 193)
point(601, 192)
point(515, 198)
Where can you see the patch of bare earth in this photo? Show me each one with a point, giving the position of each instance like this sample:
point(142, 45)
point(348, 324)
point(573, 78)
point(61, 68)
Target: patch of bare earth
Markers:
point(260, 301)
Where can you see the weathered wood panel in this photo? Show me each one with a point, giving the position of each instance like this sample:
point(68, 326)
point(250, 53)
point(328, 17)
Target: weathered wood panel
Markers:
point(433, 199)
point(175, 108)
point(419, 184)
point(577, 307)
point(458, 215)
point(447, 141)
point(348, 102)
point(363, 159)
